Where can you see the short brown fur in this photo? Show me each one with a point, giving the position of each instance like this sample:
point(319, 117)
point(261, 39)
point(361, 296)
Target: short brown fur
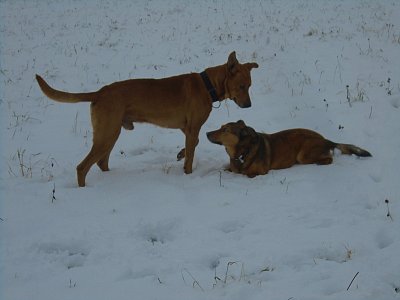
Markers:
point(181, 102)
point(252, 153)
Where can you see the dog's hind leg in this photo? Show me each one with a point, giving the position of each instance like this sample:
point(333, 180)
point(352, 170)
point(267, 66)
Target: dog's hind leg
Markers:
point(83, 168)
point(99, 154)
point(106, 130)
point(315, 152)
point(109, 145)
point(103, 162)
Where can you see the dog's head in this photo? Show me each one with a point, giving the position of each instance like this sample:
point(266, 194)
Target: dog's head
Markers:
point(238, 81)
point(235, 136)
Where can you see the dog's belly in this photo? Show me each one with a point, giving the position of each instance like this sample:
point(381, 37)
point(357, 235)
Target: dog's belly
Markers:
point(283, 164)
point(166, 123)
point(161, 120)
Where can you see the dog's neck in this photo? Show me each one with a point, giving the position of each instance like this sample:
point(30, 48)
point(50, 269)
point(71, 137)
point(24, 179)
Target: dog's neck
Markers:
point(250, 151)
point(217, 77)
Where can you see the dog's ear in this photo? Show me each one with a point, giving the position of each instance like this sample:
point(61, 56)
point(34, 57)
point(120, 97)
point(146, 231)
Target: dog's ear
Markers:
point(250, 66)
point(241, 122)
point(232, 63)
point(247, 132)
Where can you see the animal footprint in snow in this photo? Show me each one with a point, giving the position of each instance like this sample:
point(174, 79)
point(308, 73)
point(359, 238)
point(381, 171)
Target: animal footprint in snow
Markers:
point(231, 226)
point(161, 232)
point(70, 254)
point(395, 102)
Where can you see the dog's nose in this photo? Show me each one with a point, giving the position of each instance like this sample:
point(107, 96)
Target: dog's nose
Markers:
point(210, 137)
point(246, 105)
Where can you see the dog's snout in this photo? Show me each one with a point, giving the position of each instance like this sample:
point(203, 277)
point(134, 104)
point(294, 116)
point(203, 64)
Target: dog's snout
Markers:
point(212, 138)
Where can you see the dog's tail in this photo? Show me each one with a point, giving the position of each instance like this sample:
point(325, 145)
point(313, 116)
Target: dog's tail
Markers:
point(65, 97)
point(351, 149)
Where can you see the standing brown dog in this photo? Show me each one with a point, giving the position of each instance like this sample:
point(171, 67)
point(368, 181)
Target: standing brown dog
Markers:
point(252, 153)
point(183, 102)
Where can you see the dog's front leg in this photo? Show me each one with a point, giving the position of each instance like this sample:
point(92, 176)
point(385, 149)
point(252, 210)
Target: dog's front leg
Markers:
point(181, 154)
point(192, 139)
point(235, 165)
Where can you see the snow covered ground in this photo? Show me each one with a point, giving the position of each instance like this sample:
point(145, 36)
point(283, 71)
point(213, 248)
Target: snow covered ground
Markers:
point(145, 230)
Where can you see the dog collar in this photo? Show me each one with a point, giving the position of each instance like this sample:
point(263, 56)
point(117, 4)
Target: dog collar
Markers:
point(210, 88)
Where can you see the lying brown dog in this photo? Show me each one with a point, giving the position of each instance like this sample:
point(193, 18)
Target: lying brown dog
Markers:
point(183, 102)
point(252, 153)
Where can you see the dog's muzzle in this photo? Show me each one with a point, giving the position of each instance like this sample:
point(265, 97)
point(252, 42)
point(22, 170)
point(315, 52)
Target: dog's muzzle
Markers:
point(211, 139)
point(245, 104)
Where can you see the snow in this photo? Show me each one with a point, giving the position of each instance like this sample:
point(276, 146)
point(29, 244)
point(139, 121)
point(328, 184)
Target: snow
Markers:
point(145, 230)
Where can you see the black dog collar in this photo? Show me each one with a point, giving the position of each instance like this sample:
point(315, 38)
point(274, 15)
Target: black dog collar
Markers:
point(210, 88)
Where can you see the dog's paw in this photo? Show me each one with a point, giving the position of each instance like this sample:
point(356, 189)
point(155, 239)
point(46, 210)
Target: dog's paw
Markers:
point(128, 125)
point(181, 155)
point(251, 175)
point(227, 169)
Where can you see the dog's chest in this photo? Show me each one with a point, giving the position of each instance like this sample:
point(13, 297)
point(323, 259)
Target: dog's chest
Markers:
point(231, 152)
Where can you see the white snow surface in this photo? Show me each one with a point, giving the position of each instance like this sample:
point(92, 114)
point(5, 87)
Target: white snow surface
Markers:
point(145, 230)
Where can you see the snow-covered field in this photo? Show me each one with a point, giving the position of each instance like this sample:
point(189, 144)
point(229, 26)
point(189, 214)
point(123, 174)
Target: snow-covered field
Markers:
point(145, 230)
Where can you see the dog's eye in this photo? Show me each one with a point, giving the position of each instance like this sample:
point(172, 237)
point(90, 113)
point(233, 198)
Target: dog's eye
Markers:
point(224, 129)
